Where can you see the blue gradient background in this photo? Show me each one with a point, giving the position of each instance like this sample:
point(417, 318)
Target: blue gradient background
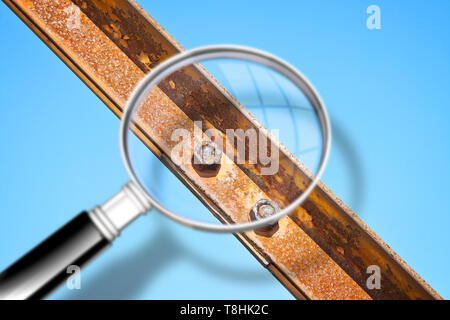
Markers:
point(387, 94)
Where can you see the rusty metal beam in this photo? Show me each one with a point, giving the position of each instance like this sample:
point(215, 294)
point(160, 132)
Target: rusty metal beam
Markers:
point(321, 251)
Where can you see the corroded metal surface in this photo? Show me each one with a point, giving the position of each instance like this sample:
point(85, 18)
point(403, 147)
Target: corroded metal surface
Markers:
point(321, 251)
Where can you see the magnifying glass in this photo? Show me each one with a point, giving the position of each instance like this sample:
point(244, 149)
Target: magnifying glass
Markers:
point(168, 98)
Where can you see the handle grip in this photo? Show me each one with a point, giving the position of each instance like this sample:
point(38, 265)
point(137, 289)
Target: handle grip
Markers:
point(44, 268)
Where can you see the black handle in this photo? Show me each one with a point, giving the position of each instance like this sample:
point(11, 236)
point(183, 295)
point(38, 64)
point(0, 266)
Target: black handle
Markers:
point(44, 268)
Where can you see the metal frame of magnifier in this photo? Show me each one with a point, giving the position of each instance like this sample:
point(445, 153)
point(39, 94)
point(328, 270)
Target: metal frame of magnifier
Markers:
point(340, 245)
point(225, 52)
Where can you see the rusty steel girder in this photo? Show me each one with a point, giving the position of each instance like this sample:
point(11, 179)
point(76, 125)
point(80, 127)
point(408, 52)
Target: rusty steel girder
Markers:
point(321, 251)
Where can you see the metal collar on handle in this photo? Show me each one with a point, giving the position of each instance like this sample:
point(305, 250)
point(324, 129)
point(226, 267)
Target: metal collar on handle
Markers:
point(226, 52)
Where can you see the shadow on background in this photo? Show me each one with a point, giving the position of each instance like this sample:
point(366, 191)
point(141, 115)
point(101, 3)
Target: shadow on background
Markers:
point(344, 145)
point(129, 274)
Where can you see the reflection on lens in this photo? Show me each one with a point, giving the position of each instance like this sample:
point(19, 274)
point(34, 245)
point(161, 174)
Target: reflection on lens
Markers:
point(235, 163)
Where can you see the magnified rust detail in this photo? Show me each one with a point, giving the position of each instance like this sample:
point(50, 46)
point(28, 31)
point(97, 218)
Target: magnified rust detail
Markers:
point(321, 251)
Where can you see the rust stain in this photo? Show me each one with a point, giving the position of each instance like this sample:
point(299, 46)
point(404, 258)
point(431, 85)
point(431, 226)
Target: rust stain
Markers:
point(323, 249)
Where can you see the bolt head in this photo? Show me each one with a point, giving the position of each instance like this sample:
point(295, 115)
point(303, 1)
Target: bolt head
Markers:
point(207, 159)
point(264, 208)
point(207, 153)
point(266, 211)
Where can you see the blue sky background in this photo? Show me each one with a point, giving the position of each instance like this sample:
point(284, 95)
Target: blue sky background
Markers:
point(387, 94)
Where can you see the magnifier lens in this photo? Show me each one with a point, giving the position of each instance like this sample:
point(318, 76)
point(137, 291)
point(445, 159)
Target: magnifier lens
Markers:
point(181, 127)
point(276, 102)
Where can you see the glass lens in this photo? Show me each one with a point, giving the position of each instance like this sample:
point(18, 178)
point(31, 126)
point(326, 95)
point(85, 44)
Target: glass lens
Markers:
point(186, 135)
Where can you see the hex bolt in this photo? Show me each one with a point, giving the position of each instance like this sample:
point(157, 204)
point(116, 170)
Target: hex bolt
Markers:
point(207, 158)
point(262, 209)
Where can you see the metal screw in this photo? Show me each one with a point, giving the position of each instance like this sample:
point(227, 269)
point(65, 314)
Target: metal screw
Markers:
point(207, 158)
point(262, 209)
point(207, 153)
